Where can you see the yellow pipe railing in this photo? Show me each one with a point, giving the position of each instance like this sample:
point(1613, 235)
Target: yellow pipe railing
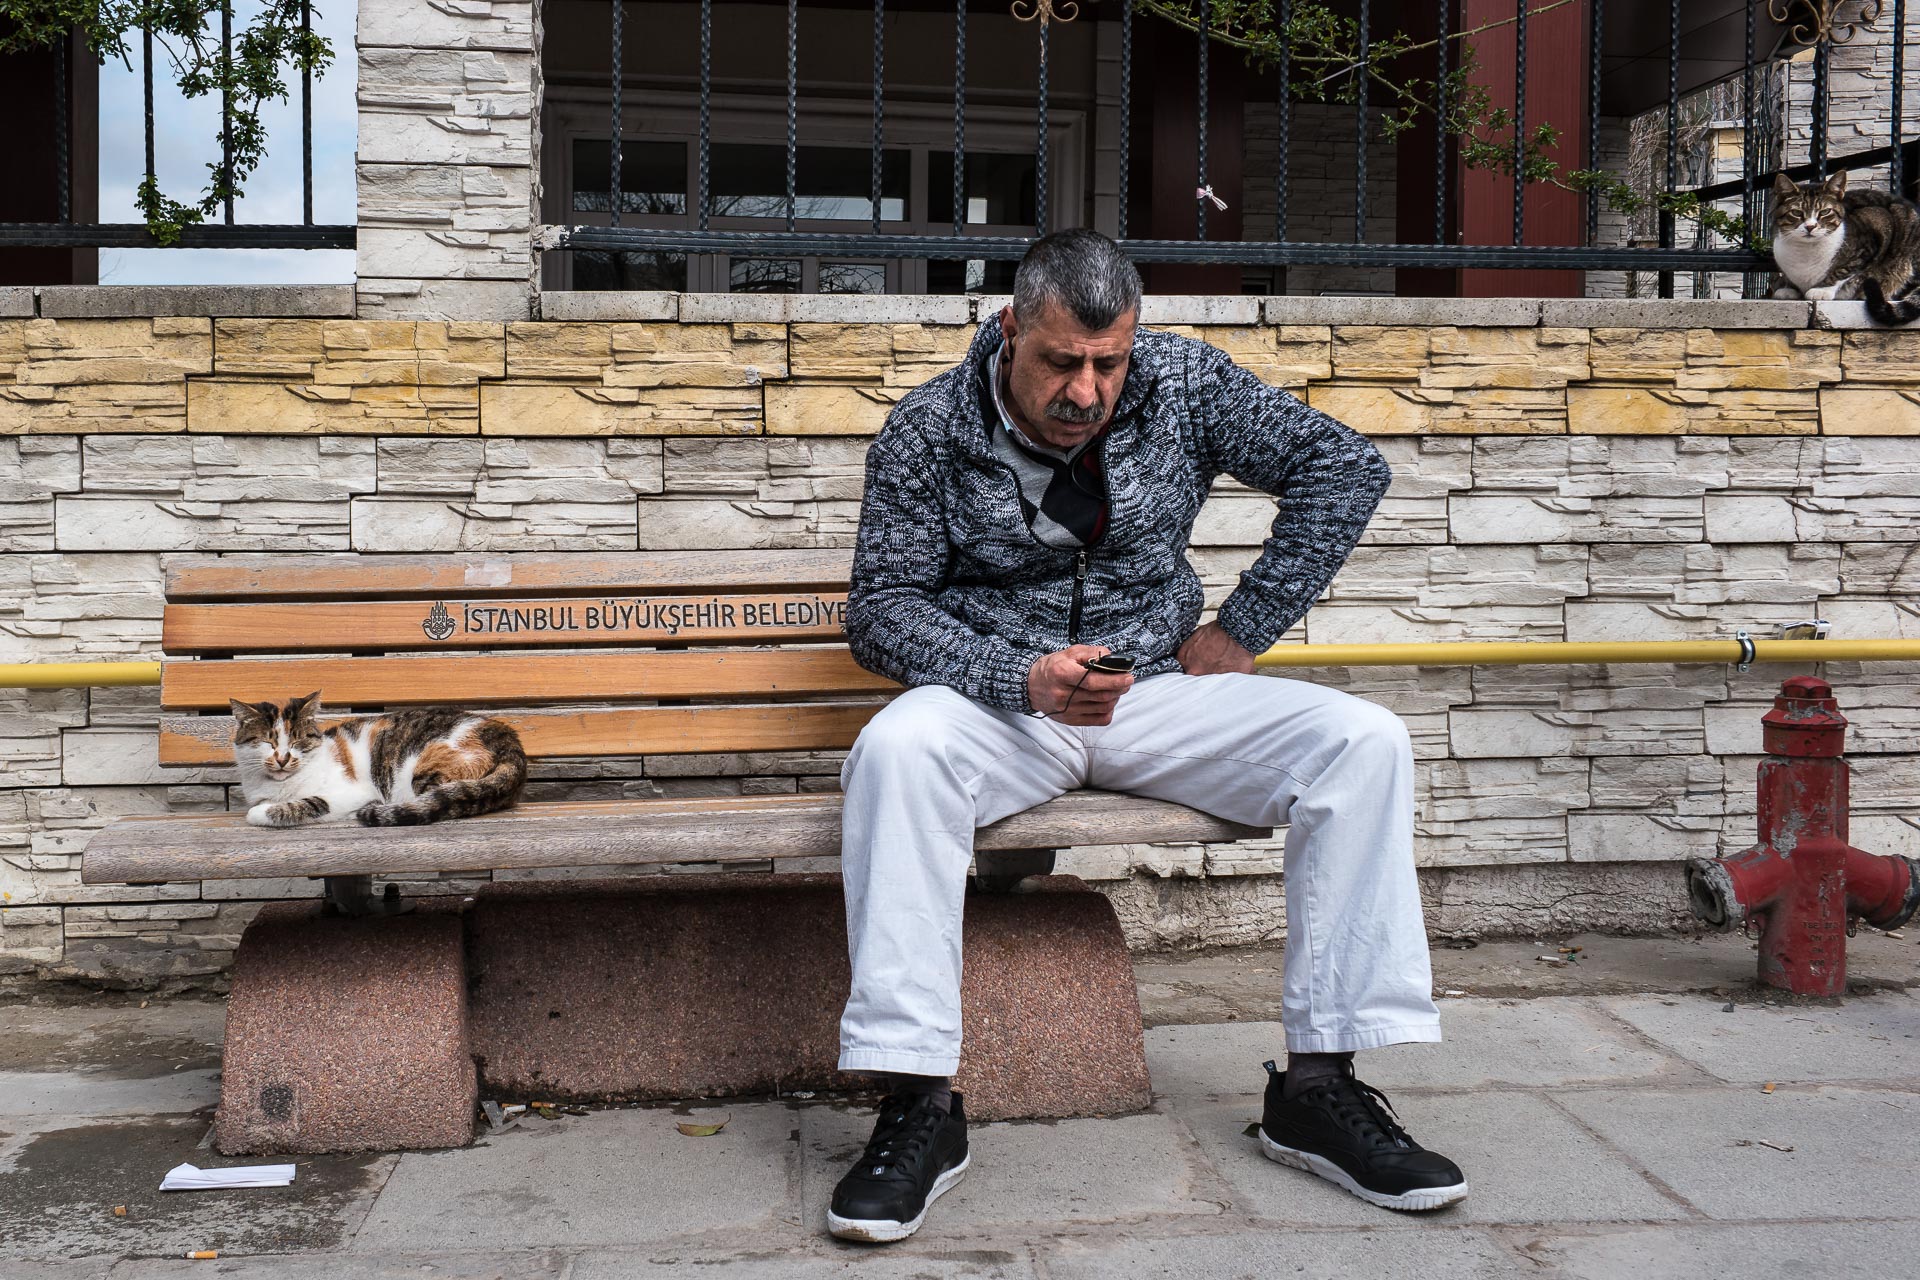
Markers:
point(1503, 653)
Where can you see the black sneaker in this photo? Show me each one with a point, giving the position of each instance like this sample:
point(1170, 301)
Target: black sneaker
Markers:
point(1346, 1132)
point(916, 1155)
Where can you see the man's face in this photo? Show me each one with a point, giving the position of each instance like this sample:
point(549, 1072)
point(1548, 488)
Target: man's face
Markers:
point(1064, 377)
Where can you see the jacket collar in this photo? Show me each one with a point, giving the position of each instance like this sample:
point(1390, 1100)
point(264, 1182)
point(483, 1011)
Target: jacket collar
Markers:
point(974, 436)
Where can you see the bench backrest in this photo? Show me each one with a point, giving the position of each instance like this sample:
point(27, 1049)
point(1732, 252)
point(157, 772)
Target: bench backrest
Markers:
point(625, 654)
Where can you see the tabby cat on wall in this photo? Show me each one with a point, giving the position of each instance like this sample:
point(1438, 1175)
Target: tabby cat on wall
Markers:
point(1831, 243)
point(396, 769)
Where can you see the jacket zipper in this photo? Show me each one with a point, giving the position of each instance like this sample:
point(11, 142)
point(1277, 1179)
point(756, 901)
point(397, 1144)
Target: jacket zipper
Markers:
point(1079, 596)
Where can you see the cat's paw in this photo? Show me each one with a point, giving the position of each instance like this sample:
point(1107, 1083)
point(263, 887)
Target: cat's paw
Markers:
point(1822, 293)
point(261, 816)
point(374, 814)
point(1785, 293)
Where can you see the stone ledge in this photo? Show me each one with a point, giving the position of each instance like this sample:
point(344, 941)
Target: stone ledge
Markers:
point(821, 308)
point(1672, 313)
point(16, 300)
point(1848, 315)
point(608, 304)
point(88, 301)
point(1461, 313)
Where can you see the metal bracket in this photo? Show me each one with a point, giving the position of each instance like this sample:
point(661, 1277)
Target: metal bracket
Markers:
point(1747, 651)
point(354, 896)
point(1003, 870)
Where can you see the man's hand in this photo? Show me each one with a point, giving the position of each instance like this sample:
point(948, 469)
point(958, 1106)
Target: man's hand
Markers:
point(1211, 651)
point(1052, 679)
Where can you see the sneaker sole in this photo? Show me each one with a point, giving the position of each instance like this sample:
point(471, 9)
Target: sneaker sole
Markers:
point(886, 1230)
point(1420, 1200)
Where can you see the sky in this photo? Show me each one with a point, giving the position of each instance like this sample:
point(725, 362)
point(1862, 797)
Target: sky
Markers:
point(187, 139)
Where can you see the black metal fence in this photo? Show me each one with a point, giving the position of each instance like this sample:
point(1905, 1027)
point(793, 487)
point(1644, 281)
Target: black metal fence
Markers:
point(1791, 25)
point(64, 232)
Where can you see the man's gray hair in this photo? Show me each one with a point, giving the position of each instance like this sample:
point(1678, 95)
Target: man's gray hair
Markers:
point(1081, 271)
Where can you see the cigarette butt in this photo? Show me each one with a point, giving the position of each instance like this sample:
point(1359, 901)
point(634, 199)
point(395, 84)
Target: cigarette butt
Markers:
point(204, 1255)
point(1767, 1087)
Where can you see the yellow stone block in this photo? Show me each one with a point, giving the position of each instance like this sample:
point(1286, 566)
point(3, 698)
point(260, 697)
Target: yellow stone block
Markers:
point(1502, 411)
point(562, 409)
point(1375, 410)
point(828, 409)
point(1882, 355)
point(1672, 411)
point(1636, 355)
point(848, 352)
point(287, 347)
point(1870, 411)
point(80, 376)
point(1369, 351)
point(249, 405)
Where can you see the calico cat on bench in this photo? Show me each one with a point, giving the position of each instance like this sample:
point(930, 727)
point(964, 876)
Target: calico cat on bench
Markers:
point(399, 768)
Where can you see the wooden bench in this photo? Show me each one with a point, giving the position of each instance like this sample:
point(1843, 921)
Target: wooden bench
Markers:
point(589, 656)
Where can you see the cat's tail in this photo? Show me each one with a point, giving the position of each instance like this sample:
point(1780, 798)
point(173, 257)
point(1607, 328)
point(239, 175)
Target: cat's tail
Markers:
point(498, 788)
point(1890, 311)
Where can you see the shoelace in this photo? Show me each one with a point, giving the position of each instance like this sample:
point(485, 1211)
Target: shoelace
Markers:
point(1365, 1110)
point(902, 1135)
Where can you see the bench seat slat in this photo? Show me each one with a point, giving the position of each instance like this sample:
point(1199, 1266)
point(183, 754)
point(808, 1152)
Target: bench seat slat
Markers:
point(343, 577)
point(200, 741)
point(494, 680)
point(497, 622)
point(593, 833)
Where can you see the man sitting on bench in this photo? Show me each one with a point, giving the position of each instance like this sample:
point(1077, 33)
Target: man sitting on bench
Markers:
point(1026, 514)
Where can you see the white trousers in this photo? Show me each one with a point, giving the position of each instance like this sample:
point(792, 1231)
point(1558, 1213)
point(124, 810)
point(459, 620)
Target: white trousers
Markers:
point(1337, 770)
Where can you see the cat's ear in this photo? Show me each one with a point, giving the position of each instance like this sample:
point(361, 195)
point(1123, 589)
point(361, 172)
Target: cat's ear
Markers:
point(1836, 185)
point(244, 711)
point(308, 706)
point(1784, 187)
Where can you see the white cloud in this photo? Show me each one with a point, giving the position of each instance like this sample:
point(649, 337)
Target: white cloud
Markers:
point(186, 140)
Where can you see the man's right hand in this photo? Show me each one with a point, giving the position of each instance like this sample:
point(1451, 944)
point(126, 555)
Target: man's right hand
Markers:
point(1052, 679)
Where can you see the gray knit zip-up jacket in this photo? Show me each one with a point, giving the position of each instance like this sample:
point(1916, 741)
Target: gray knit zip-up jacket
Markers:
point(950, 586)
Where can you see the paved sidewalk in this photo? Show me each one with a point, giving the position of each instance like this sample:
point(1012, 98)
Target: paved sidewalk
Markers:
point(1618, 1128)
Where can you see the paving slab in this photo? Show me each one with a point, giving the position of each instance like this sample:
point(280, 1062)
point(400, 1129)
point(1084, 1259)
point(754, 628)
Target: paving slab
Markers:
point(62, 1182)
point(97, 1093)
point(915, 1259)
point(1497, 1043)
point(1873, 1037)
point(1525, 1161)
point(1792, 1251)
point(1063, 1171)
point(526, 1264)
point(1436, 1253)
point(1707, 1145)
point(612, 1177)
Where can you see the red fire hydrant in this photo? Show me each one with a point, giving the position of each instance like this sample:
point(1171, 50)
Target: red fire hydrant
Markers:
point(1803, 880)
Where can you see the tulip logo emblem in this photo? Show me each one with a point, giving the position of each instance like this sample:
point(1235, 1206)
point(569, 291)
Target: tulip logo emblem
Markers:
point(438, 624)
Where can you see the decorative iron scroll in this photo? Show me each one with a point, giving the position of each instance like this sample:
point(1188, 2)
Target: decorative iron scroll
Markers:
point(1820, 20)
point(1045, 11)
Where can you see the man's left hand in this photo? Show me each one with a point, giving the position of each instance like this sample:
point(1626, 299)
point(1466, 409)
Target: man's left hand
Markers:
point(1211, 652)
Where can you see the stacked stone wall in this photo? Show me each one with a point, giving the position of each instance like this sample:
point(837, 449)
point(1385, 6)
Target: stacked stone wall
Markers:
point(1580, 471)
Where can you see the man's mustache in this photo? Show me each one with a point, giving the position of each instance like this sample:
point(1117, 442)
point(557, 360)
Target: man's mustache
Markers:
point(1064, 410)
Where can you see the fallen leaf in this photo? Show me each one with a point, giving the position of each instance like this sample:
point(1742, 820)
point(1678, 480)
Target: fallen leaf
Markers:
point(1253, 1127)
point(701, 1130)
point(119, 1211)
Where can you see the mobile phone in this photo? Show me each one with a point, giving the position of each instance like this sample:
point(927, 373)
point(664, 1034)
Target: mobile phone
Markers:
point(1114, 663)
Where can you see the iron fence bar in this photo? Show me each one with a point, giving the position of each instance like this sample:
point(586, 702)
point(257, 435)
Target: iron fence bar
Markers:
point(1040, 152)
point(1200, 109)
point(62, 128)
point(1896, 168)
point(703, 180)
point(1595, 36)
point(1360, 122)
point(1440, 147)
point(1910, 153)
point(134, 235)
point(146, 89)
point(960, 123)
point(793, 108)
point(1285, 125)
point(1126, 105)
point(226, 104)
point(879, 108)
point(306, 120)
point(1822, 69)
point(618, 132)
point(1749, 201)
point(1009, 248)
point(1673, 134)
point(1519, 122)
